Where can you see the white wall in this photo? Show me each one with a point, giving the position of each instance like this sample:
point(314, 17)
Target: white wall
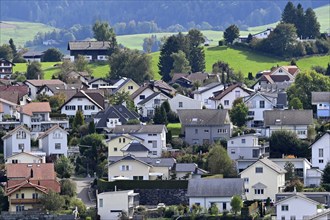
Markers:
point(135, 168)
point(298, 207)
point(147, 92)
point(204, 97)
point(80, 102)
point(254, 106)
point(160, 138)
point(150, 105)
point(205, 202)
point(294, 128)
point(11, 144)
point(187, 103)
point(230, 97)
point(51, 140)
point(322, 143)
point(237, 148)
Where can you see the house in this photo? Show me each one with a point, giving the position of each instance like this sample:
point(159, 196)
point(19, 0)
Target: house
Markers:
point(225, 98)
point(260, 35)
point(18, 94)
point(27, 183)
point(154, 136)
point(51, 90)
point(257, 103)
point(184, 171)
point(25, 157)
point(323, 215)
point(245, 147)
point(36, 116)
point(147, 106)
point(142, 93)
point(297, 206)
point(263, 179)
point(322, 102)
point(54, 141)
point(183, 102)
point(116, 143)
point(112, 204)
point(297, 121)
point(136, 149)
point(114, 115)
point(16, 141)
point(321, 150)
point(8, 111)
point(205, 126)
point(97, 83)
point(6, 68)
point(205, 192)
point(36, 84)
point(91, 50)
point(89, 103)
point(320, 197)
point(126, 85)
point(205, 92)
point(187, 80)
point(31, 56)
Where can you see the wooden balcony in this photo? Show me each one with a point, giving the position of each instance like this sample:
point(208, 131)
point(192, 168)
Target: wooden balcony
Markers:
point(24, 201)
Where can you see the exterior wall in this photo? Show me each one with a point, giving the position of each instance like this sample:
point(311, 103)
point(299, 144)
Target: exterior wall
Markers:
point(294, 128)
point(160, 139)
point(49, 142)
point(323, 109)
point(317, 159)
point(263, 34)
point(26, 120)
point(164, 170)
point(92, 53)
point(269, 177)
point(295, 209)
point(135, 169)
point(147, 92)
point(24, 158)
point(191, 137)
point(239, 149)
point(46, 91)
point(206, 202)
point(129, 87)
point(96, 84)
point(254, 107)
point(187, 103)
point(116, 144)
point(230, 97)
point(204, 97)
point(313, 177)
point(28, 194)
point(151, 105)
point(83, 102)
point(33, 90)
point(137, 153)
point(12, 144)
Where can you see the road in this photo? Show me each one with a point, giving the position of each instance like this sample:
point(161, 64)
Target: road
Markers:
point(83, 189)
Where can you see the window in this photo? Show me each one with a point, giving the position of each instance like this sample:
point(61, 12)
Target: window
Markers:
point(255, 153)
point(321, 152)
point(243, 141)
point(180, 104)
point(259, 191)
point(123, 140)
point(35, 195)
point(154, 152)
point(293, 217)
point(101, 203)
point(251, 113)
point(22, 195)
point(19, 208)
point(232, 151)
point(21, 134)
point(222, 131)
point(95, 86)
point(247, 190)
point(154, 143)
point(119, 140)
point(259, 170)
point(89, 107)
point(17, 195)
point(142, 96)
point(124, 167)
point(130, 87)
point(70, 107)
point(58, 146)
point(226, 102)
point(21, 146)
point(137, 177)
point(237, 94)
point(206, 130)
point(195, 141)
point(14, 161)
point(246, 180)
point(57, 135)
point(115, 149)
point(285, 208)
point(321, 161)
point(283, 218)
point(262, 104)
point(302, 132)
point(196, 131)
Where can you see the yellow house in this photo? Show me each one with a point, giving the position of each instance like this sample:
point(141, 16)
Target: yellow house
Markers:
point(116, 144)
point(128, 86)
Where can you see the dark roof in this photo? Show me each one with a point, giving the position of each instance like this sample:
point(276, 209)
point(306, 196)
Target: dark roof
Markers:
point(139, 91)
point(11, 93)
point(189, 167)
point(128, 157)
point(142, 129)
point(275, 78)
point(207, 87)
point(209, 117)
point(115, 111)
point(288, 117)
point(320, 97)
point(215, 187)
point(33, 54)
point(150, 97)
point(230, 88)
point(2, 60)
point(89, 45)
point(135, 146)
point(96, 98)
point(155, 162)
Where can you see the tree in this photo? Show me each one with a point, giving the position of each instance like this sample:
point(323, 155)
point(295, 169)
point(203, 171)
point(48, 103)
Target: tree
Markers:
point(180, 63)
point(78, 120)
point(196, 56)
point(326, 177)
point(75, 202)
point(68, 187)
point(132, 64)
point(238, 114)
point(81, 64)
point(289, 167)
point(6, 52)
point(13, 47)
point(52, 55)
point(224, 69)
point(56, 101)
point(311, 25)
point(63, 167)
point(231, 33)
point(160, 116)
point(249, 38)
point(219, 162)
point(34, 71)
point(52, 201)
point(289, 13)
point(300, 21)
point(214, 210)
point(294, 184)
point(295, 103)
point(103, 32)
point(327, 72)
point(91, 127)
point(236, 204)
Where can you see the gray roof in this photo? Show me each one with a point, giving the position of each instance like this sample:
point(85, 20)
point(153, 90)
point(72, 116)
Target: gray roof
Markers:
point(156, 162)
point(189, 167)
point(149, 98)
point(135, 146)
point(207, 87)
point(209, 117)
point(288, 117)
point(215, 187)
point(89, 45)
point(140, 129)
point(272, 165)
point(128, 157)
point(320, 97)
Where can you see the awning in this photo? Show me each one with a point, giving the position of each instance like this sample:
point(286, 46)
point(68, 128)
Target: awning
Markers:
point(156, 174)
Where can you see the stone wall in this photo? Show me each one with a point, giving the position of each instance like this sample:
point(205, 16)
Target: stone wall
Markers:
point(167, 196)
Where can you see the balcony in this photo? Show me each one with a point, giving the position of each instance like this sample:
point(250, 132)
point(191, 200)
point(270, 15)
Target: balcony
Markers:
point(24, 201)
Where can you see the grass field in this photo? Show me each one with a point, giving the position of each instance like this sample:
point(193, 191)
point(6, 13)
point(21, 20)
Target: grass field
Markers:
point(47, 67)
point(175, 129)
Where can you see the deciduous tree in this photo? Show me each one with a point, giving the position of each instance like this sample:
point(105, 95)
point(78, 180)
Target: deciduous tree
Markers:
point(52, 201)
point(34, 71)
point(236, 204)
point(231, 33)
point(238, 114)
point(6, 52)
point(63, 167)
point(180, 63)
point(219, 162)
point(68, 187)
point(52, 55)
point(295, 103)
point(78, 120)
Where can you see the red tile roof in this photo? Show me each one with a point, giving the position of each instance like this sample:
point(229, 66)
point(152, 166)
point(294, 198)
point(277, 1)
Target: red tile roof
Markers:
point(32, 107)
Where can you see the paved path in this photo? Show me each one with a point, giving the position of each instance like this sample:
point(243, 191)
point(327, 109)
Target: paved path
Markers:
point(83, 185)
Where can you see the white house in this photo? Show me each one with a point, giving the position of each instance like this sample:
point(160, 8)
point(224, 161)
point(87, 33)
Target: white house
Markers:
point(295, 207)
point(36, 84)
point(322, 102)
point(141, 93)
point(112, 204)
point(228, 95)
point(24, 157)
point(8, 108)
point(147, 106)
point(205, 92)
point(89, 103)
point(205, 192)
point(16, 141)
point(154, 136)
point(257, 104)
point(183, 102)
point(263, 179)
point(321, 151)
point(54, 141)
point(98, 83)
point(245, 147)
point(297, 121)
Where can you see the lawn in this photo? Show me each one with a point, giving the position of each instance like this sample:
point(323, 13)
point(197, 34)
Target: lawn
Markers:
point(175, 129)
point(47, 67)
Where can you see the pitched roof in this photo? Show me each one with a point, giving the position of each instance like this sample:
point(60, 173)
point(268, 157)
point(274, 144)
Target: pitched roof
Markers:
point(17, 91)
point(215, 187)
point(139, 91)
point(271, 165)
point(319, 137)
point(155, 162)
point(320, 97)
point(7, 61)
point(41, 171)
point(288, 117)
point(207, 87)
point(44, 134)
point(94, 97)
point(189, 167)
point(33, 53)
point(26, 153)
point(230, 88)
point(297, 195)
point(317, 216)
point(291, 69)
point(129, 157)
point(135, 146)
point(14, 130)
point(150, 97)
point(11, 96)
point(25, 184)
point(89, 45)
point(41, 82)
point(138, 129)
point(259, 185)
point(33, 107)
point(210, 117)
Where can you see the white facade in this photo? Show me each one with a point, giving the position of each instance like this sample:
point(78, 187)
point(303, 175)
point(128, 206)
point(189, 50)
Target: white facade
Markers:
point(295, 207)
point(227, 101)
point(129, 169)
point(143, 95)
point(54, 142)
point(263, 34)
point(204, 96)
point(321, 151)
point(155, 142)
point(244, 147)
point(97, 84)
point(85, 105)
point(111, 204)
point(300, 130)
point(183, 102)
point(24, 157)
point(223, 203)
point(148, 109)
point(17, 141)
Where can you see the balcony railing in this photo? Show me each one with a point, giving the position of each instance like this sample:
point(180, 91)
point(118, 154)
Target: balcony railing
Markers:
point(24, 201)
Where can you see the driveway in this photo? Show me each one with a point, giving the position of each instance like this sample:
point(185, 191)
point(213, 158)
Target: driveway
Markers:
point(83, 191)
